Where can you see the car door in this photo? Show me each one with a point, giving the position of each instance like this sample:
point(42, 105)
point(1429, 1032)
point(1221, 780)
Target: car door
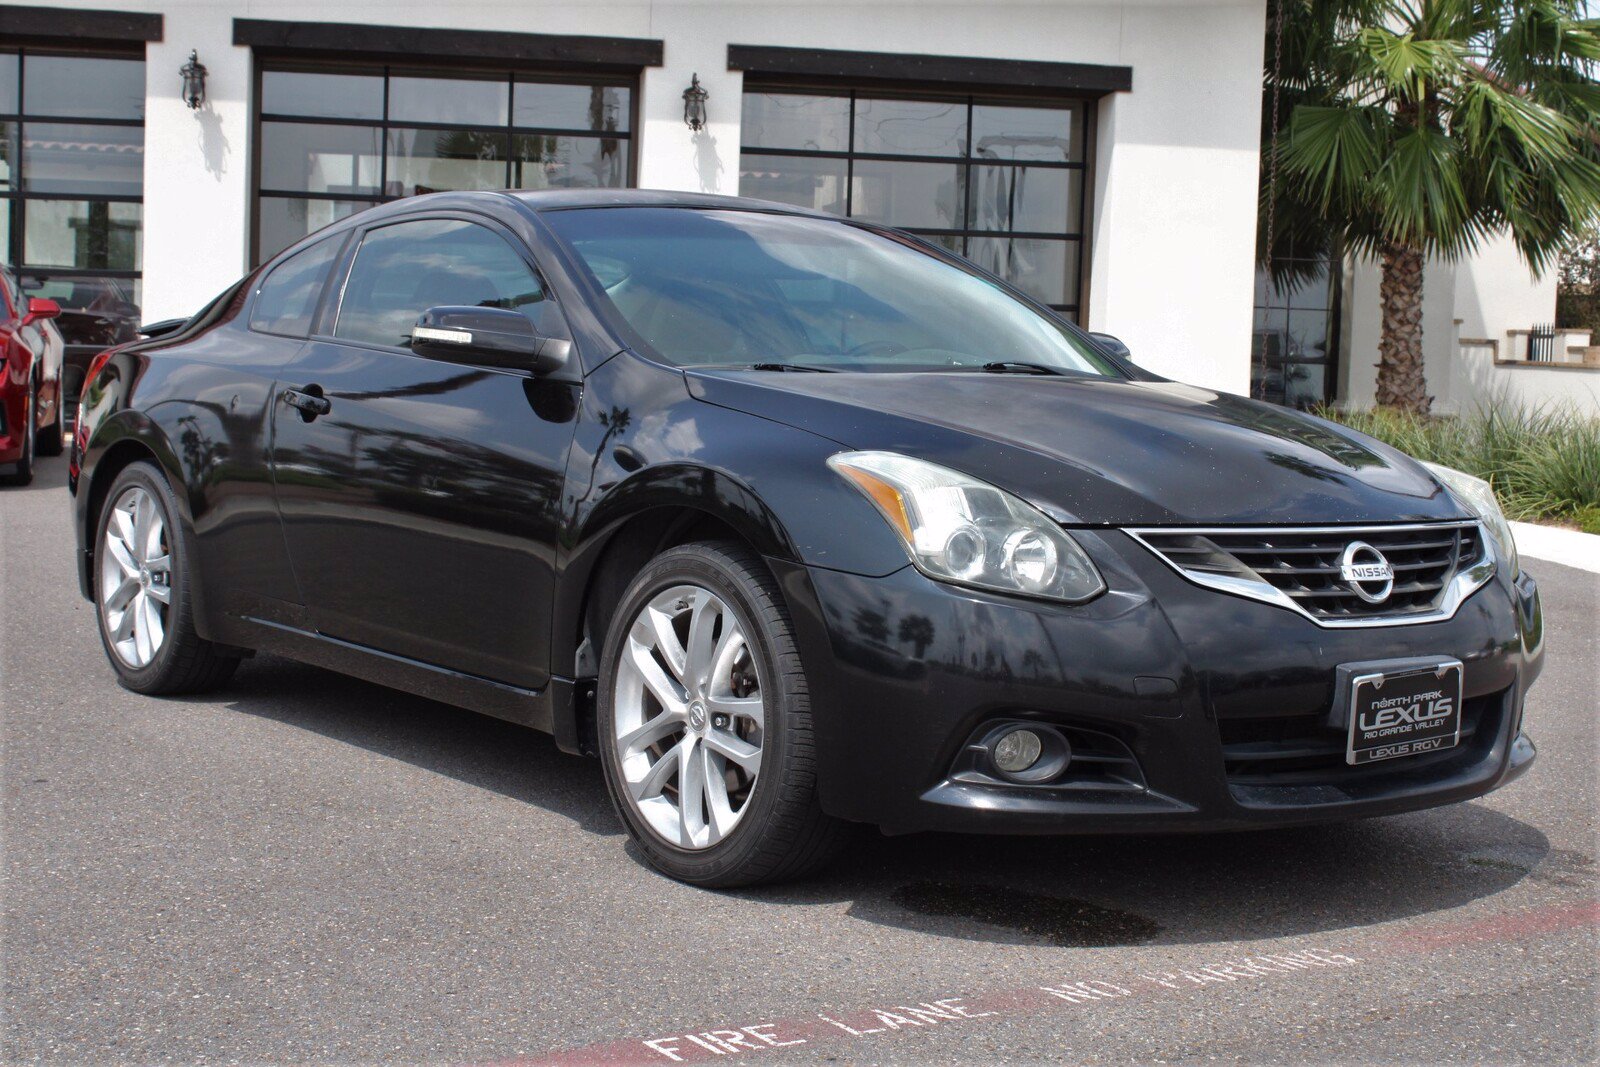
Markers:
point(421, 498)
point(224, 383)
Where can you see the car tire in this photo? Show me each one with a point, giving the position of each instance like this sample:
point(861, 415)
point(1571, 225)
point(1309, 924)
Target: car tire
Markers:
point(22, 470)
point(53, 441)
point(739, 688)
point(140, 557)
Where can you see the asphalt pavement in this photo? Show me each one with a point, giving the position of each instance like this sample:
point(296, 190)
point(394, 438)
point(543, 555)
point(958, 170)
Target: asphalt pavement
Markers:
point(308, 868)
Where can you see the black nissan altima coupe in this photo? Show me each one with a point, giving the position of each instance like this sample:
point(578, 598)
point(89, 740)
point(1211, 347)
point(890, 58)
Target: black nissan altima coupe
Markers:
point(795, 522)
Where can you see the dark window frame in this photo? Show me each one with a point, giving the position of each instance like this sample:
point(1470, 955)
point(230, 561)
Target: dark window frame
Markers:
point(513, 75)
point(970, 97)
point(1284, 304)
point(14, 201)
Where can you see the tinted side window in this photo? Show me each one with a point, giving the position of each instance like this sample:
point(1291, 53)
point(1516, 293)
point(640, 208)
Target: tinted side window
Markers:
point(287, 300)
point(405, 269)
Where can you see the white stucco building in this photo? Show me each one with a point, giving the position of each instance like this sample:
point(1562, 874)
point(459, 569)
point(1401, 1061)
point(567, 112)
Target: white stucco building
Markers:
point(1101, 153)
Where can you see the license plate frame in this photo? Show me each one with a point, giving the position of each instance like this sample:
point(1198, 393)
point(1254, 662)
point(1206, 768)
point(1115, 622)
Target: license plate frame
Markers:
point(1420, 713)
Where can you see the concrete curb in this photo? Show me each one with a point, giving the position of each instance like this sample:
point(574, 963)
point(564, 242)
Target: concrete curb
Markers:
point(1570, 548)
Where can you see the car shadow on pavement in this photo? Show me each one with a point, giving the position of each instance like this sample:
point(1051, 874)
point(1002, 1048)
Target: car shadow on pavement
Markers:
point(1179, 889)
point(479, 750)
point(1083, 891)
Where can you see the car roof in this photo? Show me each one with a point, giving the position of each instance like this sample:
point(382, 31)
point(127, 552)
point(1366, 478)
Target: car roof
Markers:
point(562, 199)
point(543, 200)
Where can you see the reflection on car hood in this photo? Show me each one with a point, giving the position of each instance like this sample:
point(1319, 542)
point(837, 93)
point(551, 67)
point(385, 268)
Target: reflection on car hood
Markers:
point(1099, 451)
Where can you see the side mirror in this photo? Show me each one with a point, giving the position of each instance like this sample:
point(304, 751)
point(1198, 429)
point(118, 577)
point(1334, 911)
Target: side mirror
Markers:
point(489, 337)
point(1112, 345)
point(39, 309)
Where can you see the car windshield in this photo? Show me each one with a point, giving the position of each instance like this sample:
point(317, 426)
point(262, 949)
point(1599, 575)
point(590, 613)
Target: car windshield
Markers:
point(743, 288)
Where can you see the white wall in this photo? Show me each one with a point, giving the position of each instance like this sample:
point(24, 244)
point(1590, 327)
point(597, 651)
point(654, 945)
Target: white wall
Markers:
point(196, 163)
point(1480, 298)
point(1175, 220)
point(1173, 224)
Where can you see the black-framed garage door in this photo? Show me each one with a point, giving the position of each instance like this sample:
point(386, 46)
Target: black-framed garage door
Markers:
point(335, 138)
point(1000, 180)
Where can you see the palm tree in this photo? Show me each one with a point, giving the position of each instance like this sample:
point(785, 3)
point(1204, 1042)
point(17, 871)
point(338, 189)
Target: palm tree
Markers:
point(1415, 128)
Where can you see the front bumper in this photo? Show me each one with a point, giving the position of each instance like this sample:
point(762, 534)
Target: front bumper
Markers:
point(904, 671)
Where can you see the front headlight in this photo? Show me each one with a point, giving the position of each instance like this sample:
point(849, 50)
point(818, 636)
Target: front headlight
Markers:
point(1478, 496)
point(961, 530)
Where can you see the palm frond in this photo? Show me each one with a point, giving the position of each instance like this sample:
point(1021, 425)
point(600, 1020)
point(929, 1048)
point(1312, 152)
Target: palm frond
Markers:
point(1422, 199)
point(1486, 111)
point(1407, 64)
point(1433, 123)
point(1334, 150)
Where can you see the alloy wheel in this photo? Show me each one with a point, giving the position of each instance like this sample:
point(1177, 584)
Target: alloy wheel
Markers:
point(690, 717)
point(135, 578)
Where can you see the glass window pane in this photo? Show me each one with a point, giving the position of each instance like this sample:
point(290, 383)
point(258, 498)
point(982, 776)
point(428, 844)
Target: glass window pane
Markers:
point(284, 220)
point(10, 73)
point(8, 159)
point(1046, 270)
point(1310, 288)
point(100, 160)
point(1054, 134)
point(403, 270)
point(461, 101)
point(333, 96)
point(795, 120)
point(603, 108)
point(1305, 385)
point(75, 233)
point(94, 311)
point(911, 127)
point(1308, 334)
point(287, 299)
point(549, 162)
point(84, 87)
point(1267, 341)
point(1036, 199)
point(809, 182)
point(311, 158)
point(427, 161)
point(916, 195)
point(6, 207)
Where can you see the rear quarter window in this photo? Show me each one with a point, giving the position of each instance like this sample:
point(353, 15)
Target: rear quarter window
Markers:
point(287, 299)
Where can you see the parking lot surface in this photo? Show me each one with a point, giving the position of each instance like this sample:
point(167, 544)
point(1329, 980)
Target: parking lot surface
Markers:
point(304, 867)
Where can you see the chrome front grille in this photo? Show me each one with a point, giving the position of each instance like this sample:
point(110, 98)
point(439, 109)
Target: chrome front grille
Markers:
point(1435, 566)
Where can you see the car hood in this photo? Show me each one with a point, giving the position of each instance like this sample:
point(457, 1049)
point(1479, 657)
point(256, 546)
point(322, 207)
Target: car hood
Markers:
point(1101, 451)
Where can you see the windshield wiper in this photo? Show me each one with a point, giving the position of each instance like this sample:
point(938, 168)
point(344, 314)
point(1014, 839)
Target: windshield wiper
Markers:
point(797, 367)
point(1012, 366)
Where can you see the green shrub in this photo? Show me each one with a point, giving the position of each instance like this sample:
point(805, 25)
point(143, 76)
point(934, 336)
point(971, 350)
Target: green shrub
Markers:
point(1544, 463)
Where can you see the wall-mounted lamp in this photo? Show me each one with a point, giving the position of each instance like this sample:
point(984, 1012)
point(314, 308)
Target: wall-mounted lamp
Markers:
point(193, 74)
point(694, 105)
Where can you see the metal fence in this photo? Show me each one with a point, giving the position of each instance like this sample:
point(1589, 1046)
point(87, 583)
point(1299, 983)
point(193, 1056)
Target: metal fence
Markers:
point(1542, 343)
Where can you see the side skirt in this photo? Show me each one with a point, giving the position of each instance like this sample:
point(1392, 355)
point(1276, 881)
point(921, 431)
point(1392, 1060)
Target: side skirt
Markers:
point(528, 707)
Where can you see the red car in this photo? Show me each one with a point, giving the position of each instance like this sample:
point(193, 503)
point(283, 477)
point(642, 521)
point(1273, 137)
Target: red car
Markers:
point(32, 402)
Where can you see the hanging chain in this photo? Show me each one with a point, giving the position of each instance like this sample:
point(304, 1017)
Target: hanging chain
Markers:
point(1272, 159)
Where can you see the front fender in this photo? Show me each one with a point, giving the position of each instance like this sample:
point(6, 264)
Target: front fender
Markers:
point(644, 445)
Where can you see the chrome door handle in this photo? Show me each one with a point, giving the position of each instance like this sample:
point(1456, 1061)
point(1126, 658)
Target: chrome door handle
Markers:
point(309, 404)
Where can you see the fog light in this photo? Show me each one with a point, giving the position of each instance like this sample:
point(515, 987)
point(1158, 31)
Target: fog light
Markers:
point(1017, 750)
